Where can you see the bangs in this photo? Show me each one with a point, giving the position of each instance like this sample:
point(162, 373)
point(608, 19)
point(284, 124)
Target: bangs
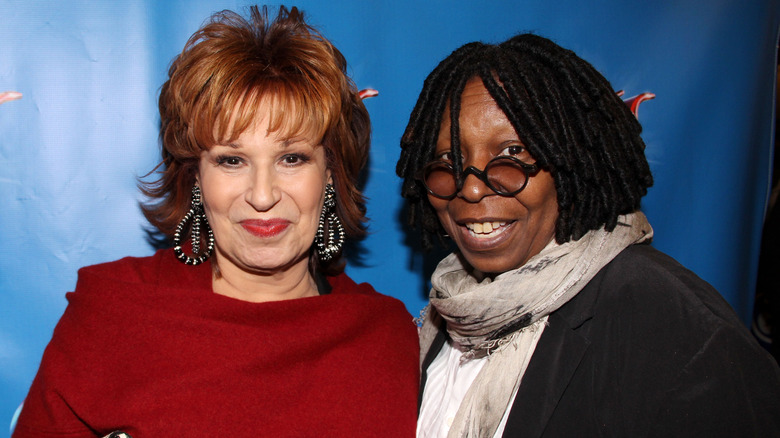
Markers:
point(292, 112)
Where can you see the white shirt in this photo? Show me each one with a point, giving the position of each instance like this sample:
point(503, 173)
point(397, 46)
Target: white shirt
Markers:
point(445, 388)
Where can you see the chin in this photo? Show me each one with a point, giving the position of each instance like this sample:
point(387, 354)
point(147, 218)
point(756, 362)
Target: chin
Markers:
point(493, 265)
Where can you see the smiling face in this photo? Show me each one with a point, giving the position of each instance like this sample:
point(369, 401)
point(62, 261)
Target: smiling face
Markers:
point(263, 195)
point(494, 233)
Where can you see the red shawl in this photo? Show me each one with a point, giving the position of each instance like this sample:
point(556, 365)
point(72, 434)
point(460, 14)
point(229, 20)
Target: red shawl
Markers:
point(145, 346)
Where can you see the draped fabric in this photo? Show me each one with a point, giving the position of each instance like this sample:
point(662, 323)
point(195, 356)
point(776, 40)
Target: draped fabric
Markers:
point(146, 347)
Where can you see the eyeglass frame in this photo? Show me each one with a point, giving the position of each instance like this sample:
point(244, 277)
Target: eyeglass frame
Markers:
point(528, 170)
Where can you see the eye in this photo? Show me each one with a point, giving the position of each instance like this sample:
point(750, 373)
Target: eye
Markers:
point(444, 156)
point(517, 151)
point(293, 160)
point(229, 161)
point(512, 150)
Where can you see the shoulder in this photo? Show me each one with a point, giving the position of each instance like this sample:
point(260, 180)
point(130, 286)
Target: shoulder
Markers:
point(642, 262)
point(669, 335)
point(649, 299)
point(646, 311)
point(643, 280)
point(663, 341)
point(343, 284)
point(159, 269)
point(127, 268)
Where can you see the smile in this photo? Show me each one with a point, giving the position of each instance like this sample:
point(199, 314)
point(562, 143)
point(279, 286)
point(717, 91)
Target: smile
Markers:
point(265, 228)
point(484, 230)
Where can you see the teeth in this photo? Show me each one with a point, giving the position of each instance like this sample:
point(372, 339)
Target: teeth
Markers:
point(485, 227)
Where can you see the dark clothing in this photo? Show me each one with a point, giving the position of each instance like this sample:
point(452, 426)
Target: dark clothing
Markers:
point(647, 348)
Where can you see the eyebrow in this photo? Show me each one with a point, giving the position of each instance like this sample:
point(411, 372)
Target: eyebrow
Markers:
point(284, 144)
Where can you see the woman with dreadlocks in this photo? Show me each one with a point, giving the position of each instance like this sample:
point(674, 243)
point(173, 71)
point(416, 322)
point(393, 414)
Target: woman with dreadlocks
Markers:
point(555, 317)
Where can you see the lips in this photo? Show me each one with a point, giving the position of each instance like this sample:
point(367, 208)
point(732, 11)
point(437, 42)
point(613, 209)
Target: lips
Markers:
point(265, 228)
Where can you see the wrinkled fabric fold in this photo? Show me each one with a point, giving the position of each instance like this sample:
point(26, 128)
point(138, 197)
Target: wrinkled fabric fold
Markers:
point(146, 347)
point(499, 318)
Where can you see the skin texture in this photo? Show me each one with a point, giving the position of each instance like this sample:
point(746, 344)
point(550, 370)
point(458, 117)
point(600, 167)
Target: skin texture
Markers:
point(526, 221)
point(263, 195)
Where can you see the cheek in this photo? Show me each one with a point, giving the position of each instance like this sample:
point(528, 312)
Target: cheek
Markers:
point(543, 193)
point(308, 193)
point(217, 194)
point(548, 216)
point(440, 206)
point(541, 200)
point(314, 205)
point(215, 203)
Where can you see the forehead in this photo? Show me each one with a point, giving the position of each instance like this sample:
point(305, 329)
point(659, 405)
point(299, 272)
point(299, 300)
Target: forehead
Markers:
point(475, 93)
point(479, 114)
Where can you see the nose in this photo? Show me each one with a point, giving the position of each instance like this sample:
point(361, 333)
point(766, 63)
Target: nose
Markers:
point(474, 189)
point(263, 191)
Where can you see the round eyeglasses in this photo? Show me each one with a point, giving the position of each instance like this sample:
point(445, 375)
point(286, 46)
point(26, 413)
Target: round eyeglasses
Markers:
point(505, 175)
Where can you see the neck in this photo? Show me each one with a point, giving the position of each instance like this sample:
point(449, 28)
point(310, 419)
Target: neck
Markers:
point(257, 287)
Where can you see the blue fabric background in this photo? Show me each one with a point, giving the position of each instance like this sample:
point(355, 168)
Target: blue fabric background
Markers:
point(72, 147)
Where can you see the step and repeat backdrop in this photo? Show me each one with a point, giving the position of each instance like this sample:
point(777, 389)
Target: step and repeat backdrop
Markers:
point(81, 126)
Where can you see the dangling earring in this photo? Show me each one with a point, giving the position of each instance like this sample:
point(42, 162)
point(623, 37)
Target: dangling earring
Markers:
point(197, 215)
point(328, 249)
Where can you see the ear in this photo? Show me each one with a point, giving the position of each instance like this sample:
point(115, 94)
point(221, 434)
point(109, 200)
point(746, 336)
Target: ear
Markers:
point(328, 177)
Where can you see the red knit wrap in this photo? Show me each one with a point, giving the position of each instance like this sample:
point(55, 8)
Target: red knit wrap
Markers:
point(145, 346)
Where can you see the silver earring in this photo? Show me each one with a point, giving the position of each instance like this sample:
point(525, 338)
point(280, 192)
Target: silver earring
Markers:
point(198, 218)
point(328, 248)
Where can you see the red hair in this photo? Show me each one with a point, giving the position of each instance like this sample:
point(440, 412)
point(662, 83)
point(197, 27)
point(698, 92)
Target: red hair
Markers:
point(213, 92)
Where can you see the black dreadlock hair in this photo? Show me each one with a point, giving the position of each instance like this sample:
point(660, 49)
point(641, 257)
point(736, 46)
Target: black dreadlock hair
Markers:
point(565, 112)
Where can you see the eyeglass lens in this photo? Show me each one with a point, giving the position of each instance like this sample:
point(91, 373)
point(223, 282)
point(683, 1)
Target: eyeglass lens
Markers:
point(503, 176)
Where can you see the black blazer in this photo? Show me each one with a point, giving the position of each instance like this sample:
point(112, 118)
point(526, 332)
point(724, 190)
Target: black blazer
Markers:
point(647, 348)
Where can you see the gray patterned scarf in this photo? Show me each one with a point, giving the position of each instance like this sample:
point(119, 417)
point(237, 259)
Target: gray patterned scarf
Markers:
point(498, 318)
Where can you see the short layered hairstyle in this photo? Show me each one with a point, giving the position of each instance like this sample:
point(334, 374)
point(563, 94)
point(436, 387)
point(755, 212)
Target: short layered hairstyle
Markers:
point(213, 92)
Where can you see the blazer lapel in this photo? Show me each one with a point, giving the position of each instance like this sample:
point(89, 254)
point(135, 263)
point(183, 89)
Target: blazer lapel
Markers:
point(438, 343)
point(557, 356)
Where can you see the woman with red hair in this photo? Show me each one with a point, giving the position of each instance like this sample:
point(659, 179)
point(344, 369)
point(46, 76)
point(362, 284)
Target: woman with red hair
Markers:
point(248, 326)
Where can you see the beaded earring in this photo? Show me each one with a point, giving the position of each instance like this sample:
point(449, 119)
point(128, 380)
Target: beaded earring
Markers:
point(198, 218)
point(328, 248)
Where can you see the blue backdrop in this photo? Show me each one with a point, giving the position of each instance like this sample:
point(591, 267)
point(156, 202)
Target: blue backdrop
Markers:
point(86, 127)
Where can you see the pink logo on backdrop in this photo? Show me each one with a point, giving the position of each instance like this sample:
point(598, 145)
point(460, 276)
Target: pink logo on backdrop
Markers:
point(7, 96)
point(633, 102)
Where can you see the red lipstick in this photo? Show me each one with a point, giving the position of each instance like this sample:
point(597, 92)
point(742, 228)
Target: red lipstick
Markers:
point(265, 228)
